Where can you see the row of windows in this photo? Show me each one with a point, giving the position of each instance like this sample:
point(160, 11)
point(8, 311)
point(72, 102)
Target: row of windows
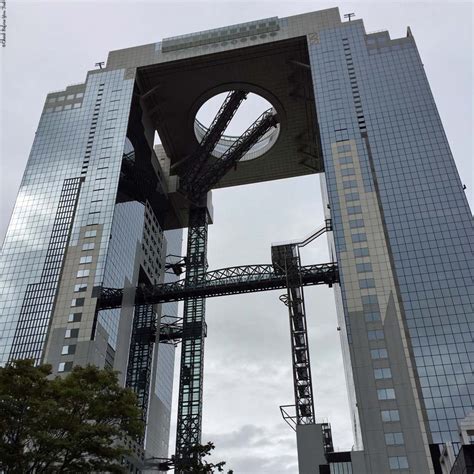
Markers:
point(61, 107)
point(371, 314)
point(62, 98)
point(70, 349)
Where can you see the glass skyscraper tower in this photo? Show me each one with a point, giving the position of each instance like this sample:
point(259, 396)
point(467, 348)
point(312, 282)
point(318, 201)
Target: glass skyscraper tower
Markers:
point(99, 207)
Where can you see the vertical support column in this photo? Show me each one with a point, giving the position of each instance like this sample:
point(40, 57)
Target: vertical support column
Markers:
point(194, 330)
point(141, 355)
point(286, 259)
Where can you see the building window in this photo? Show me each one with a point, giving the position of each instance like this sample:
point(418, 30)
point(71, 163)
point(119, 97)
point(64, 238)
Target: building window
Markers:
point(71, 349)
point(371, 316)
point(359, 238)
point(83, 273)
point(356, 223)
point(352, 197)
point(370, 302)
point(375, 335)
point(366, 283)
point(394, 438)
point(90, 233)
point(382, 374)
point(80, 287)
point(398, 462)
point(86, 259)
point(345, 160)
point(363, 252)
point(390, 415)
point(378, 354)
point(343, 148)
point(77, 302)
point(74, 317)
point(354, 210)
point(386, 394)
point(348, 172)
point(71, 333)
point(88, 246)
point(352, 183)
point(364, 267)
point(65, 367)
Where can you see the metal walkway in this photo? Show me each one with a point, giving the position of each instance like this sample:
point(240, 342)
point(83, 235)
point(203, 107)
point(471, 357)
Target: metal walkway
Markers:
point(223, 282)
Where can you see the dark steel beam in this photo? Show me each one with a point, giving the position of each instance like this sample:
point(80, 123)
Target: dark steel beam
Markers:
point(288, 258)
point(215, 171)
point(212, 136)
point(226, 281)
point(188, 429)
point(141, 355)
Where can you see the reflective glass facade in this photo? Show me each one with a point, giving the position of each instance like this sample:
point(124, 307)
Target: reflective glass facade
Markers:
point(80, 138)
point(403, 235)
point(71, 232)
point(122, 259)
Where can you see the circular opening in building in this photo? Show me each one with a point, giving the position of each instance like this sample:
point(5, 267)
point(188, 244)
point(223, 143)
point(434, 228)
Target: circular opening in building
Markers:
point(248, 112)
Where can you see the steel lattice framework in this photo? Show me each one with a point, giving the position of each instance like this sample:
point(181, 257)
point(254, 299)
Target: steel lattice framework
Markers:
point(289, 259)
point(204, 175)
point(199, 174)
point(141, 355)
point(216, 169)
point(222, 282)
point(213, 135)
point(188, 428)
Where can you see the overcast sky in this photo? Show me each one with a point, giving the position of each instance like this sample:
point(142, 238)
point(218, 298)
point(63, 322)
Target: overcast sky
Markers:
point(247, 367)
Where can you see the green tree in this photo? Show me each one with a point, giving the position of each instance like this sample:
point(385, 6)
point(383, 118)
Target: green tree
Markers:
point(196, 462)
point(67, 424)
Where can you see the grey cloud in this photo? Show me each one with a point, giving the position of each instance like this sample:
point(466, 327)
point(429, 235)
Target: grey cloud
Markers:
point(252, 449)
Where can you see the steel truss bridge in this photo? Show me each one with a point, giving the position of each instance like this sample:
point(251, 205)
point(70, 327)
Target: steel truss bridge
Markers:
point(223, 282)
point(198, 174)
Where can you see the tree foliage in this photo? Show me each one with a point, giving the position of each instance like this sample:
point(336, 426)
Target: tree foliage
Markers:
point(66, 424)
point(196, 463)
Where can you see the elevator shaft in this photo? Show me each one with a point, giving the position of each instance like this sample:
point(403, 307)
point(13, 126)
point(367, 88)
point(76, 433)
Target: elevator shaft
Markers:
point(287, 258)
point(188, 431)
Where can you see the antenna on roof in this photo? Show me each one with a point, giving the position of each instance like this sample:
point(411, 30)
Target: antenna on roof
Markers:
point(349, 15)
point(99, 64)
